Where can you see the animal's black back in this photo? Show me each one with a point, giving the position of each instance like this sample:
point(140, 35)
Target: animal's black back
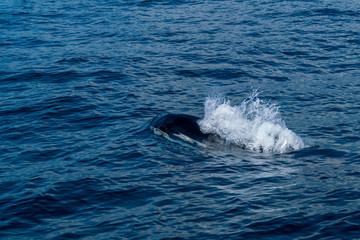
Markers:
point(179, 124)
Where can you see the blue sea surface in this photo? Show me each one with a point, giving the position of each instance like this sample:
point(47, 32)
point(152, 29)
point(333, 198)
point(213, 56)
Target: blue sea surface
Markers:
point(81, 80)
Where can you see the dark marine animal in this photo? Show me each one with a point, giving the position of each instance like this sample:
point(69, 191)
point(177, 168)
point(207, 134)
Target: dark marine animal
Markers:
point(179, 125)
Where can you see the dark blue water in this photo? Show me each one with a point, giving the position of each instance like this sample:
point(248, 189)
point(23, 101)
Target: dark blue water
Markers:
point(81, 80)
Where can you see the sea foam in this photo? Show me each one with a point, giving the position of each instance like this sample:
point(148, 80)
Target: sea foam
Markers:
point(253, 125)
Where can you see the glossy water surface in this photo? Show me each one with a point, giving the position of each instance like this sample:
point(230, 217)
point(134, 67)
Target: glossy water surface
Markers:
point(80, 81)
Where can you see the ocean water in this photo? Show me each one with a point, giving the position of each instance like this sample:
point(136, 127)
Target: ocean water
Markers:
point(278, 83)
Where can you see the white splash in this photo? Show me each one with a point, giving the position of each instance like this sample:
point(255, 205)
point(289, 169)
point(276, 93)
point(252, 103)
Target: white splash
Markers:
point(253, 125)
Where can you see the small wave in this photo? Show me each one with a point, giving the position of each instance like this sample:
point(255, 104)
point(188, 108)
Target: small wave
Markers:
point(253, 125)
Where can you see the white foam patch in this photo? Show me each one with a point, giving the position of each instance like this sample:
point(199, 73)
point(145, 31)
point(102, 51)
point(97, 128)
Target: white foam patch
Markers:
point(253, 125)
